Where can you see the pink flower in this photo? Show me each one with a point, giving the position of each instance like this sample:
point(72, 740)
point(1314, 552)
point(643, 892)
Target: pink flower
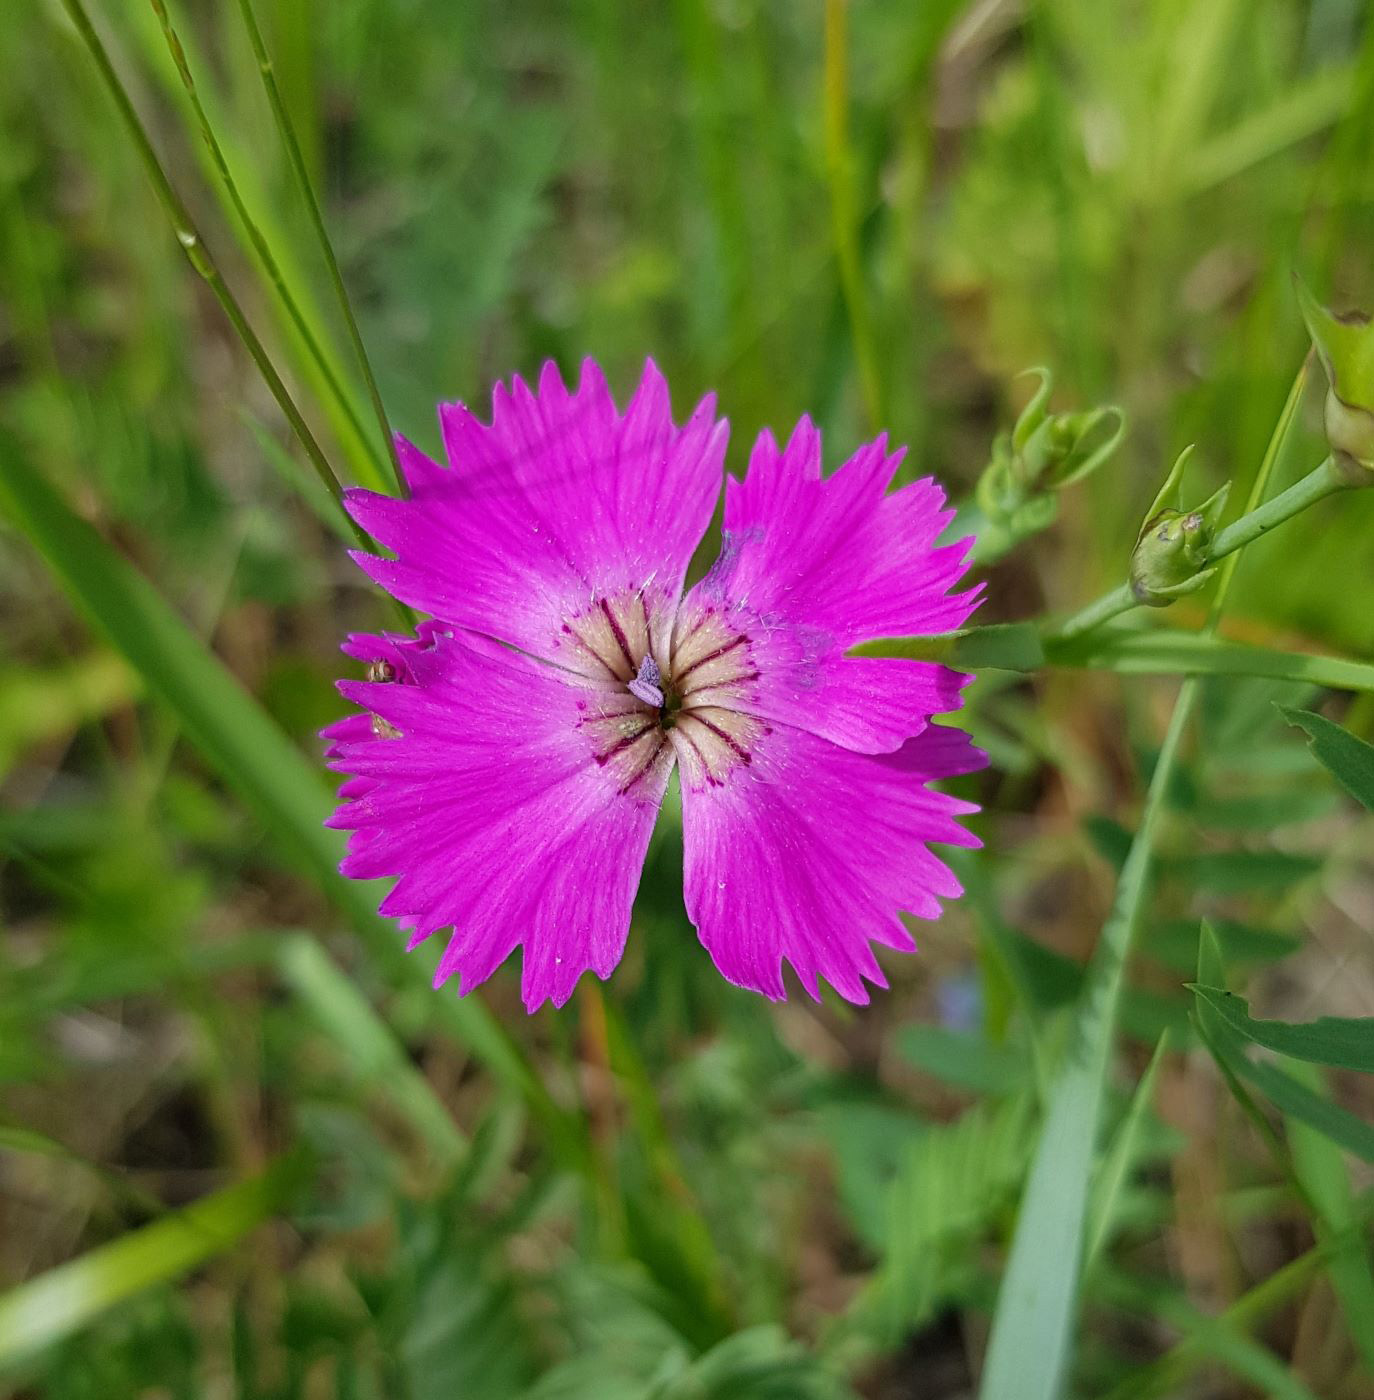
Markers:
point(513, 755)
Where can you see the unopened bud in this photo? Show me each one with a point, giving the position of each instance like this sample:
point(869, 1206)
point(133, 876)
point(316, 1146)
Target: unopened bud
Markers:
point(1345, 343)
point(1043, 453)
point(1171, 552)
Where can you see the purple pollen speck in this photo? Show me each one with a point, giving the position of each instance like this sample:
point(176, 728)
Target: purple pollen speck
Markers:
point(550, 555)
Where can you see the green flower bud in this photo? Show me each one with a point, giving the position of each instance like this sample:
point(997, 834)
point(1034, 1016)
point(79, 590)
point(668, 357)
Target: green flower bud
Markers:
point(1043, 453)
point(1170, 555)
point(1049, 451)
point(1345, 343)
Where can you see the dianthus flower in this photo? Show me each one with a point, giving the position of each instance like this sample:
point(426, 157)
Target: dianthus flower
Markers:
point(512, 755)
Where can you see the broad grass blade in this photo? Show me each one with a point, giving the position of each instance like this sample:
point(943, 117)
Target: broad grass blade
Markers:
point(65, 1299)
point(235, 735)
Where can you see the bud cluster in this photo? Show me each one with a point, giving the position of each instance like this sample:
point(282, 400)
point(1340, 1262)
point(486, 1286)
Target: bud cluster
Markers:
point(1044, 453)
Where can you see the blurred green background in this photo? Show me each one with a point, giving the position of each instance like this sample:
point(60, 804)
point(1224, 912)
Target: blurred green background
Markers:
point(874, 213)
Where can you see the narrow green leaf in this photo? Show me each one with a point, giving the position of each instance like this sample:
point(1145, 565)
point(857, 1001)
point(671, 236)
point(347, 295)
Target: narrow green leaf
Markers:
point(237, 737)
point(1120, 1159)
point(65, 1299)
point(1010, 646)
point(1349, 760)
point(1299, 110)
point(1163, 651)
point(1283, 1091)
point(1125, 650)
point(1205, 1338)
point(1320, 1168)
point(1167, 1376)
point(1031, 1344)
point(695, 1259)
point(1338, 1041)
point(372, 1051)
point(296, 163)
point(256, 185)
point(251, 231)
point(188, 236)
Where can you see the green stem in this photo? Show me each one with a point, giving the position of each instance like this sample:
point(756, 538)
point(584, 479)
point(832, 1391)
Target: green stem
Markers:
point(1108, 606)
point(302, 177)
point(1031, 1343)
point(255, 236)
point(1258, 519)
point(1168, 1373)
point(199, 255)
point(1322, 481)
point(843, 206)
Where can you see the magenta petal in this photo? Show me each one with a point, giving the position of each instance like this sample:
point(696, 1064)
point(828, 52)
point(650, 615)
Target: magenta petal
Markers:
point(496, 820)
point(811, 566)
point(560, 499)
point(807, 854)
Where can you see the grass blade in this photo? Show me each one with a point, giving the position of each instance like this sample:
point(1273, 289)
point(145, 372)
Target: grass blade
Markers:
point(236, 737)
point(376, 1057)
point(65, 1299)
point(1293, 1097)
point(302, 177)
point(1168, 1375)
point(1217, 1339)
point(1032, 1332)
point(1116, 1168)
point(1319, 1167)
point(1312, 1159)
point(199, 256)
point(1030, 1347)
point(839, 166)
point(341, 399)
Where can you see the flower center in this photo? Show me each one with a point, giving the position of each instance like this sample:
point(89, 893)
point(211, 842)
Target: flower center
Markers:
point(665, 687)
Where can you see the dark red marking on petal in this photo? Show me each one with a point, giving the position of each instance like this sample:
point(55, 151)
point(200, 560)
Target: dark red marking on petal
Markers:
point(711, 656)
point(622, 744)
point(741, 753)
point(619, 634)
point(645, 767)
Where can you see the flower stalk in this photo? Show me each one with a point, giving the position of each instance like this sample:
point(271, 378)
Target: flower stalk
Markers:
point(198, 254)
point(1322, 481)
point(1328, 477)
point(256, 238)
point(302, 177)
